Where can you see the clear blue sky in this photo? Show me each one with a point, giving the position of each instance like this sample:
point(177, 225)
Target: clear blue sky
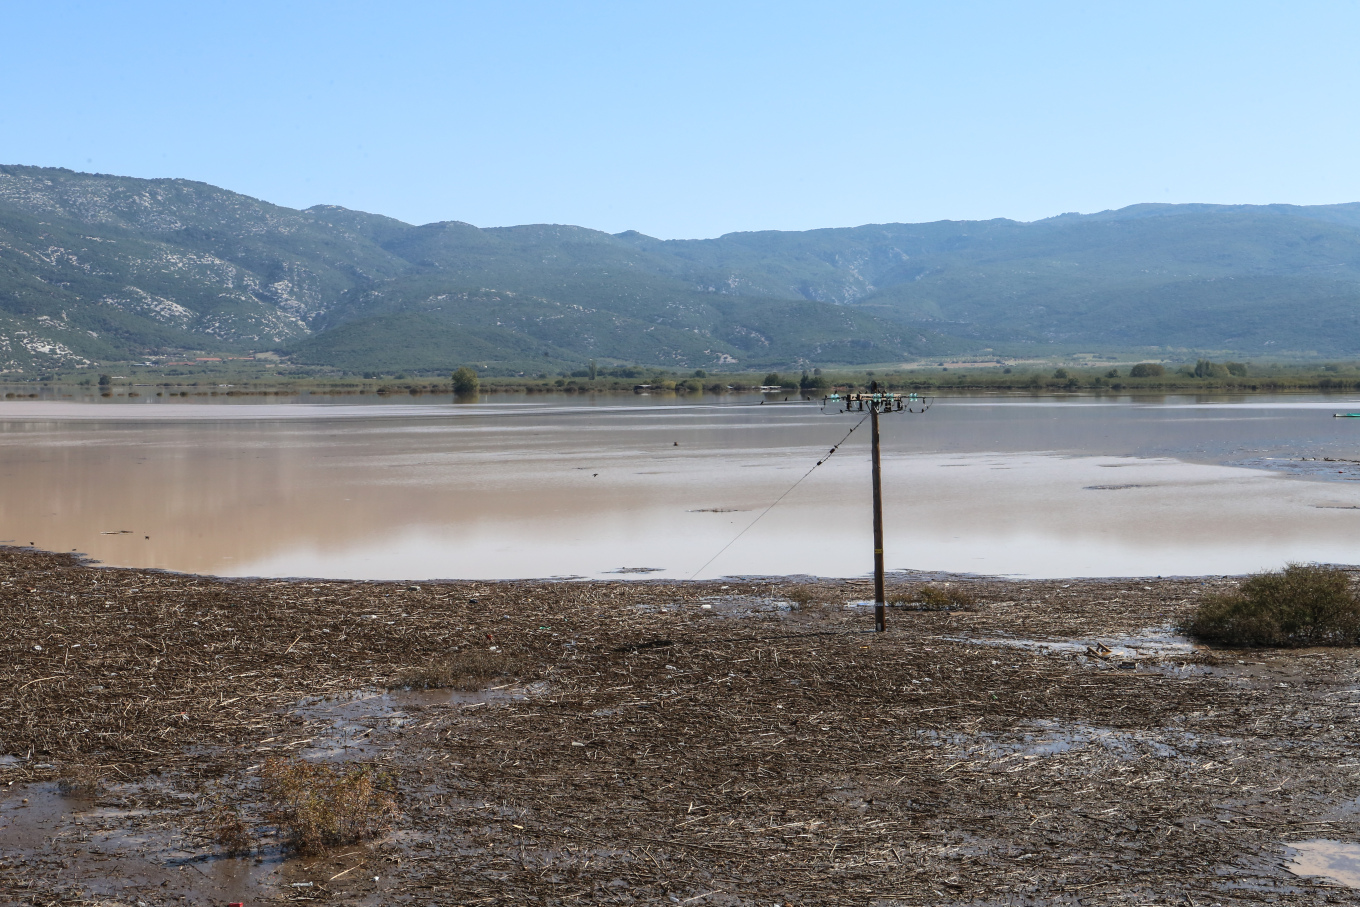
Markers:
point(691, 119)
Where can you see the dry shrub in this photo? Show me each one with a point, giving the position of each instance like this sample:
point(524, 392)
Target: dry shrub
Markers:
point(471, 670)
point(1302, 605)
point(802, 595)
point(931, 597)
point(227, 828)
point(317, 805)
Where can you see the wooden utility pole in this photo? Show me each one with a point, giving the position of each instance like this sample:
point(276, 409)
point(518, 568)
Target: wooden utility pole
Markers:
point(874, 403)
point(880, 599)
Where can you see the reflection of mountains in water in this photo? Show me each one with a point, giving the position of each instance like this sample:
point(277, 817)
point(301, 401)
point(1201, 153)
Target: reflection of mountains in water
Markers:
point(1331, 468)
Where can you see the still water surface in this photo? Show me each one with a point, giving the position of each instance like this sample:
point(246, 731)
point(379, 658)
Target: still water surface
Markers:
point(576, 487)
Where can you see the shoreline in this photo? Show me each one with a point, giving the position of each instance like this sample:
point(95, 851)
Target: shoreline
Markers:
point(895, 581)
point(765, 747)
point(1282, 380)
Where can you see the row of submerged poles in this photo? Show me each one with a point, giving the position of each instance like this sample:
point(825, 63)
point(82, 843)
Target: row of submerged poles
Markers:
point(874, 403)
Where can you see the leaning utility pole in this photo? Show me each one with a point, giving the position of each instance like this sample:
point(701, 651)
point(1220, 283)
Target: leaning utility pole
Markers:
point(874, 403)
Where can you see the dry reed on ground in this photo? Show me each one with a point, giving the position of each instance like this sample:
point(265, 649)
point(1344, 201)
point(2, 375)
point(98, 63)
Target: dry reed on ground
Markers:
point(471, 670)
point(902, 789)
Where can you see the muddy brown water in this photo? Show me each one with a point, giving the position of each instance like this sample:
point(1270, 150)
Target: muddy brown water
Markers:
point(1337, 860)
point(637, 487)
point(143, 856)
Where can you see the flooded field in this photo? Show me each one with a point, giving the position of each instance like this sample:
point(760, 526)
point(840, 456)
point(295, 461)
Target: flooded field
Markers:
point(633, 486)
point(715, 743)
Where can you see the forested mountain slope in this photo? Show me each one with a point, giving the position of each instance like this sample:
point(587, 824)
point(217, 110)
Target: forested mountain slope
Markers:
point(97, 268)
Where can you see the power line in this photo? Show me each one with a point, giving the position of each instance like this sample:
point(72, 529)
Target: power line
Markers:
point(828, 456)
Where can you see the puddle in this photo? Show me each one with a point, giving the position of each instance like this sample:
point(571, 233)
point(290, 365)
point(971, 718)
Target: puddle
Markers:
point(745, 605)
point(34, 812)
point(346, 725)
point(133, 854)
point(1049, 738)
point(1156, 642)
point(1035, 739)
point(1263, 669)
point(1337, 860)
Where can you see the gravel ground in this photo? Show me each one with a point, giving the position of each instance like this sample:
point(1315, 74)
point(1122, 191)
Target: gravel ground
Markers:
point(712, 743)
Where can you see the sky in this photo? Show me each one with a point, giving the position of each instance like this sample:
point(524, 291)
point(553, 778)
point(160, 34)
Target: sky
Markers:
point(693, 119)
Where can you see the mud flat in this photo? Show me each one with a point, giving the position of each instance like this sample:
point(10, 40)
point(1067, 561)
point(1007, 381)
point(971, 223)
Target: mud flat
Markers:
point(703, 743)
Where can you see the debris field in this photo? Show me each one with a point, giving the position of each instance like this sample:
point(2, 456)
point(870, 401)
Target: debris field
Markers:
point(708, 743)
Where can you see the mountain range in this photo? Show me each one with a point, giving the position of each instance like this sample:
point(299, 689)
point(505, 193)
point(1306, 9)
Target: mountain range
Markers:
point(97, 268)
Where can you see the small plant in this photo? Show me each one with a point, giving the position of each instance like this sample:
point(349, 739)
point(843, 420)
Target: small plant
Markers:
point(931, 597)
point(79, 780)
point(470, 670)
point(227, 828)
point(318, 805)
point(800, 596)
point(1302, 605)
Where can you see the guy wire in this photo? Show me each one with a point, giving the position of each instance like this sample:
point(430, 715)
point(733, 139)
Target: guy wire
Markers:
point(828, 456)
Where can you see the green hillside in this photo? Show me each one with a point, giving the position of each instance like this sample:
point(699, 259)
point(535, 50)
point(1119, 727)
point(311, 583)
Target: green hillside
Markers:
point(97, 268)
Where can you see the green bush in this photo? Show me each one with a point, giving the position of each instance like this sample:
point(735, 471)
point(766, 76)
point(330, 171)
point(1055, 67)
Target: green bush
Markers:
point(1206, 369)
point(1147, 370)
point(814, 382)
point(466, 382)
point(1302, 605)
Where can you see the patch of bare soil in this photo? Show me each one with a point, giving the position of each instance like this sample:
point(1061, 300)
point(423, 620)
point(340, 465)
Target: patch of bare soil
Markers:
point(702, 743)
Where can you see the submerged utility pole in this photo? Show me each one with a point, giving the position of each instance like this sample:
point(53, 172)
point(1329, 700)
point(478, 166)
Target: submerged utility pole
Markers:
point(874, 403)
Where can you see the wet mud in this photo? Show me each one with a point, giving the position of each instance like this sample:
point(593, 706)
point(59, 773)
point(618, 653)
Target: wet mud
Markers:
point(736, 742)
